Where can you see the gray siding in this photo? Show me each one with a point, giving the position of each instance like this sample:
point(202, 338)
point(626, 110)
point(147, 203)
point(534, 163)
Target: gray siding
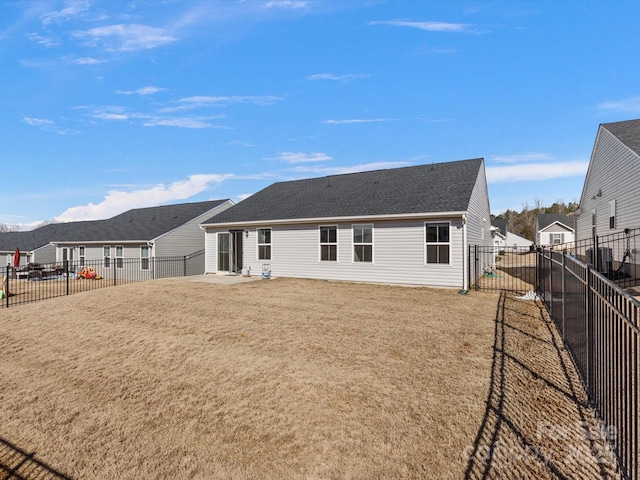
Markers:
point(188, 238)
point(398, 253)
point(614, 171)
point(479, 213)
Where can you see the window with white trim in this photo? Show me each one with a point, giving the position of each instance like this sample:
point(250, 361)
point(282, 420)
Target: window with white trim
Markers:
point(363, 243)
point(329, 244)
point(437, 244)
point(145, 254)
point(81, 255)
point(557, 238)
point(119, 256)
point(264, 244)
point(106, 253)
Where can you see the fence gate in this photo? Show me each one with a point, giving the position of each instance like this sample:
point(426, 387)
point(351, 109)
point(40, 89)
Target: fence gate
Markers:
point(502, 268)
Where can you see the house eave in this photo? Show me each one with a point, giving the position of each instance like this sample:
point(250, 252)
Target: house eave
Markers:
point(344, 219)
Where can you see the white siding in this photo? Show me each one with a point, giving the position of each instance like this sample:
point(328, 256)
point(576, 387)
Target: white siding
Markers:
point(614, 174)
point(545, 235)
point(398, 253)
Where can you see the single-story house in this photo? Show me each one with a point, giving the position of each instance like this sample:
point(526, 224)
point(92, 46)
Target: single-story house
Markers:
point(610, 202)
point(554, 229)
point(141, 233)
point(410, 225)
point(504, 238)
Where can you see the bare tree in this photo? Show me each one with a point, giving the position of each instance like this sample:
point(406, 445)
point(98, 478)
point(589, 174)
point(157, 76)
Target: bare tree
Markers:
point(7, 227)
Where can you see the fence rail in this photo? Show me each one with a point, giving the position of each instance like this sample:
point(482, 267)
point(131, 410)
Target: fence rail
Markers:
point(34, 282)
point(599, 323)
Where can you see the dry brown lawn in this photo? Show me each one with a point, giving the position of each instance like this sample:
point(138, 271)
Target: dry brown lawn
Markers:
point(286, 379)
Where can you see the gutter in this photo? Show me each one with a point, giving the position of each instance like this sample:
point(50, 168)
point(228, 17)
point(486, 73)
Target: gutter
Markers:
point(346, 219)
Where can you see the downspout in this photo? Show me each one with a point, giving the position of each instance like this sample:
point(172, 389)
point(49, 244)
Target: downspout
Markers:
point(465, 253)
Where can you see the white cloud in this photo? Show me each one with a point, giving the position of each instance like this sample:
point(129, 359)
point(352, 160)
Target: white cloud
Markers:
point(116, 201)
point(522, 157)
point(294, 4)
point(87, 61)
point(47, 125)
point(536, 171)
point(141, 91)
point(357, 120)
point(243, 196)
point(428, 26)
point(44, 41)
point(73, 9)
point(363, 167)
point(126, 37)
point(345, 78)
point(626, 105)
point(300, 157)
point(182, 122)
point(37, 122)
point(202, 101)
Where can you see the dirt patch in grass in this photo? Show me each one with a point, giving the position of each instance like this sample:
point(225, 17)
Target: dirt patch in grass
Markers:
point(270, 379)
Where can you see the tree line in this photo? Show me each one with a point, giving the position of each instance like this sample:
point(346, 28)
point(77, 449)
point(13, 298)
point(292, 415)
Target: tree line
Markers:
point(523, 223)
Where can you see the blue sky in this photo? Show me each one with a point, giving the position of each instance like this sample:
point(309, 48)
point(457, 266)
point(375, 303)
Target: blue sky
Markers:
point(112, 105)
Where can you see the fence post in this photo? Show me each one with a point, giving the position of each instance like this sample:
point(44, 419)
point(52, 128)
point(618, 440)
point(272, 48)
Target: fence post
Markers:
point(115, 272)
point(551, 284)
point(6, 294)
point(564, 296)
point(66, 273)
point(475, 261)
point(588, 336)
point(184, 264)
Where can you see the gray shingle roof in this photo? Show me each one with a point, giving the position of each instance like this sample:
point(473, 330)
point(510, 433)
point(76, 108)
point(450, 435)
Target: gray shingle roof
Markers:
point(438, 187)
point(501, 223)
point(628, 132)
point(546, 219)
point(137, 224)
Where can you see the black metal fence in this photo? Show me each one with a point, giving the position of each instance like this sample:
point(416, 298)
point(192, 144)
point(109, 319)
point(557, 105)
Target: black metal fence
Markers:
point(599, 323)
point(615, 256)
point(502, 268)
point(34, 282)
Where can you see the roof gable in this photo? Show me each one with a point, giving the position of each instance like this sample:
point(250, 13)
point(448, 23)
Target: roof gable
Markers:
point(545, 220)
point(628, 132)
point(438, 187)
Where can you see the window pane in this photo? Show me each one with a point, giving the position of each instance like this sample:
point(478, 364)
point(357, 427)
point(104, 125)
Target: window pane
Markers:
point(119, 251)
point(119, 262)
point(358, 234)
point(432, 254)
point(363, 253)
point(443, 253)
point(432, 233)
point(145, 264)
point(443, 233)
point(328, 235)
point(367, 234)
point(107, 251)
point(328, 253)
point(264, 235)
point(264, 252)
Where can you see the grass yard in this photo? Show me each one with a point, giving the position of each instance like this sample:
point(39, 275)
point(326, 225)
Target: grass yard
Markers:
point(283, 379)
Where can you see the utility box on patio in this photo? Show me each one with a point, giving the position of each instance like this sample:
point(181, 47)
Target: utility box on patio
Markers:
point(266, 271)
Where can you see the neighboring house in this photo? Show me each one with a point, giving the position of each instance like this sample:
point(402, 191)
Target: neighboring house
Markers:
point(499, 233)
point(165, 231)
point(610, 202)
point(554, 229)
point(504, 238)
point(517, 241)
point(410, 225)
